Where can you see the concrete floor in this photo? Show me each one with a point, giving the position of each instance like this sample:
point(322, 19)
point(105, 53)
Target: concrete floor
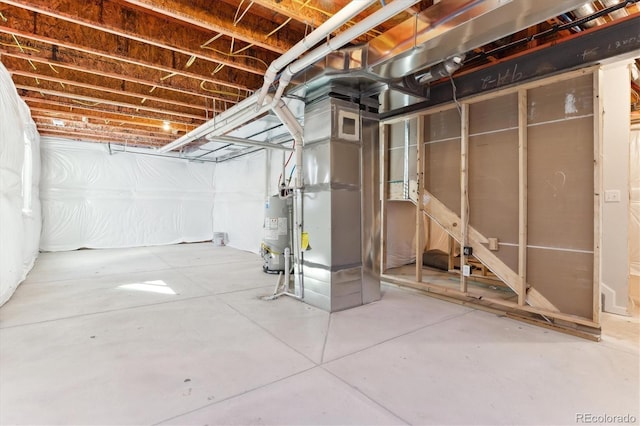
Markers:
point(179, 335)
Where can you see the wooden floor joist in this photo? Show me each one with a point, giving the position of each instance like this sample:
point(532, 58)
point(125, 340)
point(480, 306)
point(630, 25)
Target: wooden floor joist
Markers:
point(107, 20)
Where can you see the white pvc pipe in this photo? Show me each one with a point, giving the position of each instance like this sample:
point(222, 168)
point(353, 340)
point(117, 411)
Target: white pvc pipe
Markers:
point(372, 21)
point(205, 128)
point(287, 268)
point(220, 124)
point(342, 16)
point(293, 126)
point(330, 25)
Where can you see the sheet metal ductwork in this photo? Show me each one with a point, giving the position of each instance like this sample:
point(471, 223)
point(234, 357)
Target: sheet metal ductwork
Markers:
point(341, 208)
point(453, 28)
point(425, 47)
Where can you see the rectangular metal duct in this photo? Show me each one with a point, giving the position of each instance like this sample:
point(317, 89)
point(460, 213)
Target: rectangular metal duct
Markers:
point(341, 206)
point(454, 27)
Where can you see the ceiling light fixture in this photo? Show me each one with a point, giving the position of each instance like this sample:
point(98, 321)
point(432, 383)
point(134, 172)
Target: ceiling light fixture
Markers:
point(166, 126)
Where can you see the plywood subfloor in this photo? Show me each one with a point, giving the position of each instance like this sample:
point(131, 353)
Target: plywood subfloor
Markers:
point(179, 335)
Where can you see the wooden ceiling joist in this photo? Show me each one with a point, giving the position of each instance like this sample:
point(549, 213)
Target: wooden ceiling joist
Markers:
point(74, 134)
point(106, 112)
point(125, 89)
point(42, 110)
point(107, 20)
point(154, 127)
point(89, 100)
point(250, 29)
point(46, 123)
point(90, 64)
point(112, 48)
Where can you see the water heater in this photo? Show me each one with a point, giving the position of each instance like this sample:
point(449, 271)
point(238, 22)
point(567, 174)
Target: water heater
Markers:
point(277, 233)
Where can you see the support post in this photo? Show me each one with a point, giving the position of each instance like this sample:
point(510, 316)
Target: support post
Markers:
point(419, 204)
point(598, 112)
point(464, 188)
point(522, 196)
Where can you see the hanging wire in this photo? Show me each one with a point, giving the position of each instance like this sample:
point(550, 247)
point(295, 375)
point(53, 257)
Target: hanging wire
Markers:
point(280, 178)
point(278, 28)
point(173, 74)
point(236, 21)
point(190, 62)
point(455, 97)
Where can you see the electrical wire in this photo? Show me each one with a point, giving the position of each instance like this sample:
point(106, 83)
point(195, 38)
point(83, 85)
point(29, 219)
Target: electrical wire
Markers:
point(286, 164)
point(454, 89)
point(291, 174)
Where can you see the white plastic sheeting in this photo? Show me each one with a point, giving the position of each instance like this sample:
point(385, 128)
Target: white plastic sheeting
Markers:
point(96, 200)
point(634, 203)
point(401, 233)
point(20, 218)
point(242, 186)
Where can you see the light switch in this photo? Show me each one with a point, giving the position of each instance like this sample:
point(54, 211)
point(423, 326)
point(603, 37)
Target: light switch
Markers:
point(612, 196)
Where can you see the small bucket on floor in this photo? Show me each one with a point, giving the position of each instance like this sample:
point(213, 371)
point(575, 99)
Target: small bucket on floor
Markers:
point(219, 238)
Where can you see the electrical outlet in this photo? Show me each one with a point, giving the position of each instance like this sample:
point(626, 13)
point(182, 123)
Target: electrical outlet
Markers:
point(612, 196)
point(466, 270)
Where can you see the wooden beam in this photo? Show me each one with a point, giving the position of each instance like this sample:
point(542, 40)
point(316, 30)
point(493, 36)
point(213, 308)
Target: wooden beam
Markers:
point(93, 137)
point(522, 194)
point(52, 111)
point(101, 129)
point(305, 12)
point(85, 121)
point(108, 19)
point(420, 188)
point(598, 113)
point(102, 85)
point(453, 294)
point(438, 212)
point(57, 33)
point(60, 57)
point(250, 29)
point(82, 95)
point(449, 221)
point(464, 191)
point(108, 112)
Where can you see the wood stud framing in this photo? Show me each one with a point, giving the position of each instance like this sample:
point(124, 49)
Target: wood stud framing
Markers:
point(522, 195)
point(598, 112)
point(529, 300)
point(464, 191)
point(419, 206)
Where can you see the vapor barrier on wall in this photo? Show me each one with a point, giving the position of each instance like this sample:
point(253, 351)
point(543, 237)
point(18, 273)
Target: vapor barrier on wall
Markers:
point(20, 218)
point(242, 187)
point(94, 199)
